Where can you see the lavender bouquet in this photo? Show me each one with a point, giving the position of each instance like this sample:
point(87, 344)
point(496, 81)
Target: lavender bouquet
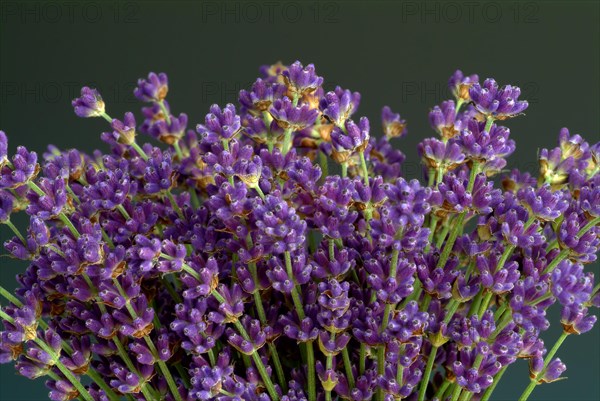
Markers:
point(228, 264)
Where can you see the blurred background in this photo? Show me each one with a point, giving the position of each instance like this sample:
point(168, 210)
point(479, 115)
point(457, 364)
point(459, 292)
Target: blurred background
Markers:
point(397, 53)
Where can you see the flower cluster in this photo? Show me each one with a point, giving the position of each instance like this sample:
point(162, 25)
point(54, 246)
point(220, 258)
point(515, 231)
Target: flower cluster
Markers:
point(229, 264)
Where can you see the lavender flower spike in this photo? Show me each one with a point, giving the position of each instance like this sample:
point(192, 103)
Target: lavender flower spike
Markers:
point(498, 103)
point(89, 104)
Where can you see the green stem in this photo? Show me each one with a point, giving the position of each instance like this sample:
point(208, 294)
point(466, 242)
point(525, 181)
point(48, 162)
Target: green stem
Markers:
point(328, 366)
point(287, 141)
point(459, 104)
point(488, 123)
point(344, 169)
point(161, 364)
point(310, 357)
point(256, 358)
point(348, 367)
point(178, 151)
point(50, 351)
point(440, 391)
point(363, 359)
point(442, 235)
point(365, 170)
point(124, 213)
point(90, 372)
point(547, 360)
point(67, 222)
point(140, 151)
point(485, 303)
point(123, 354)
point(262, 316)
point(324, 163)
point(66, 372)
point(175, 206)
point(428, 369)
point(457, 226)
point(106, 117)
point(456, 392)
point(16, 231)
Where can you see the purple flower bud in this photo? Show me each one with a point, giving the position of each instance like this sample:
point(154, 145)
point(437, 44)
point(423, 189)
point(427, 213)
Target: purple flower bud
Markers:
point(152, 89)
point(439, 155)
point(300, 79)
point(124, 131)
point(393, 125)
point(570, 285)
point(543, 203)
point(6, 205)
point(24, 168)
point(576, 320)
point(219, 124)
point(292, 117)
point(169, 132)
point(353, 138)
point(484, 146)
point(460, 84)
point(443, 120)
point(50, 204)
point(262, 95)
point(89, 104)
point(339, 105)
point(3, 148)
point(499, 103)
point(553, 372)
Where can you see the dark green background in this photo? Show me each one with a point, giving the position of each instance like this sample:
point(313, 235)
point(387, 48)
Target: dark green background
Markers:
point(395, 53)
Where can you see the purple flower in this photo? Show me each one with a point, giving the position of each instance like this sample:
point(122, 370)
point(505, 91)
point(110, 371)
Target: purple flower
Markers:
point(443, 120)
point(219, 124)
point(153, 89)
point(484, 146)
point(499, 281)
point(280, 229)
point(158, 174)
point(169, 132)
point(590, 199)
point(385, 159)
point(439, 155)
point(581, 248)
point(124, 131)
point(3, 149)
point(570, 285)
point(262, 95)
point(50, 204)
point(393, 125)
point(24, 168)
point(300, 79)
point(460, 84)
point(576, 320)
point(331, 212)
point(543, 203)
point(498, 103)
point(554, 370)
point(6, 205)
point(437, 281)
point(353, 138)
point(292, 117)
point(339, 105)
point(89, 104)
